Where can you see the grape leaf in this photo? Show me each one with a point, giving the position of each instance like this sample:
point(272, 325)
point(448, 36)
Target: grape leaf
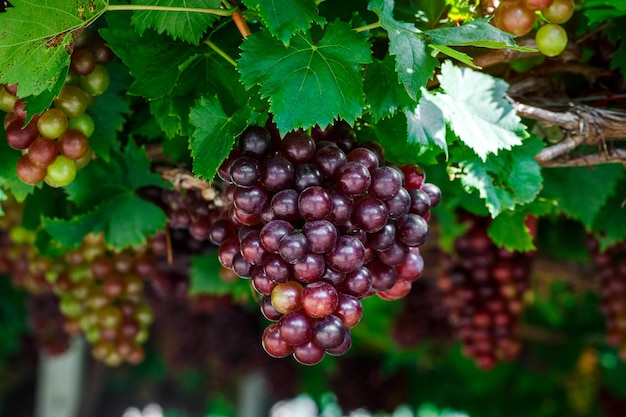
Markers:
point(205, 278)
point(309, 82)
point(283, 18)
point(599, 11)
point(426, 124)
point(564, 185)
point(214, 135)
point(186, 26)
point(510, 179)
point(35, 40)
point(510, 231)
point(453, 53)
point(414, 64)
point(475, 33)
point(610, 220)
point(384, 94)
point(152, 59)
point(109, 110)
point(475, 105)
point(104, 194)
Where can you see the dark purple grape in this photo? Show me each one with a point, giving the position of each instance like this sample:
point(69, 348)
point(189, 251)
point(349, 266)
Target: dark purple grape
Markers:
point(413, 176)
point(284, 204)
point(377, 149)
point(353, 178)
point(307, 175)
point(241, 266)
point(227, 251)
point(277, 173)
point(276, 268)
point(296, 328)
point(308, 353)
point(370, 214)
point(245, 231)
point(200, 228)
point(260, 281)
point(255, 141)
point(412, 267)
point(420, 202)
point(298, 147)
point(315, 203)
point(395, 254)
point(365, 157)
point(328, 159)
point(357, 283)
point(349, 310)
point(412, 230)
point(343, 347)
point(319, 299)
point(252, 249)
point(433, 192)
point(383, 276)
point(386, 182)
point(383, 238)
point(321, 234)
point(268, 310)
point(347, 255)
point(273, 344)
point(273, 232)
point(224, 170)
point(329, 332)
point(342, 207)
point(180, 218)
point(293, 247)
point(343, 136)
point(245, 171)
point(399, 204)
point(250, 200)
point(310, 268)
point(221, 230)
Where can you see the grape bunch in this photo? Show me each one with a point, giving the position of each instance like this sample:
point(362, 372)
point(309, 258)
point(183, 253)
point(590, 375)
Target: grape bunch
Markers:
point(518, 18)
point(55, 143)
point(483, 290)
point(610, 271)
point(316, 225)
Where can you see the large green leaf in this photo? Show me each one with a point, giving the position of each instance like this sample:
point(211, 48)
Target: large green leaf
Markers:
point(384, 94)
point(475, 33)
point(309, 82)
point(36, 40)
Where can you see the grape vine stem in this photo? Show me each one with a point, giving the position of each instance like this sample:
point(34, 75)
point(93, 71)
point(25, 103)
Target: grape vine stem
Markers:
point(368, 27)
point(132, 7)
point(220, 52)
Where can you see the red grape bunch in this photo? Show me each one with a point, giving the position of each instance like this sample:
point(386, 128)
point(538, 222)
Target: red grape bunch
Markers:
point(518, 18)
point(483, 290)
point(55, 143)
point(610, 271)
point(316, 225)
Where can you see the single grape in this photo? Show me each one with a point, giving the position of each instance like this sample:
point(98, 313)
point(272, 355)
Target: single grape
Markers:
point(307, 175)
point(286, 297)
point(329, 332)
point(349, 310)
point(551, 39)
point(273, 344)
point(364, 156)
point(319, 299)
point(559, 11)
point(315, 203)
point(227, 251)
point(245, 172)
point(73, 144)
point(383, 276)
point(284, 205)
point(261, 282)
point(414, 176)
point(82, 62)
point(347, 255)
point(357, 283)
point(42, 152)
point(412, 267)
point(7, 101)
point(420, 202)
point(293, 247)
point(342, 207)
point(20, 138)
point(353, 178)
point(412, 230)
point(329, 159)
point(252, 249)
point(83, 123)
point(250, 200)
point(298, 147)
point(295, 328)
point(514, 18)
point(370, 214)
point(399, 290)
point(386, 182)
point(255, 141)
point(61, 172)
point(343, 347)
point(272, 233)
point(321, 235)
point(277, 173)
point(72, 101)
point(241, 266)
point(433, 192)
point(28, 172)
point(308, 353)
point(96, 82)
point(395, 254)
point(52, 123)
point(309, 269)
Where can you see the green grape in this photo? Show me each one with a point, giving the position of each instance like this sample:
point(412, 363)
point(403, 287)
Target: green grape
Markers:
point(61, 172)
point(560, 11)
point(83, 123)
point(97, 81)
point(7, 100)
point(551, 39)
point(52, 123)
point(72, 101)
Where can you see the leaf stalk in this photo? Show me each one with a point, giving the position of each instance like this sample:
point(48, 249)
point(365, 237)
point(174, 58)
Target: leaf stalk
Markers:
point(134, 7)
